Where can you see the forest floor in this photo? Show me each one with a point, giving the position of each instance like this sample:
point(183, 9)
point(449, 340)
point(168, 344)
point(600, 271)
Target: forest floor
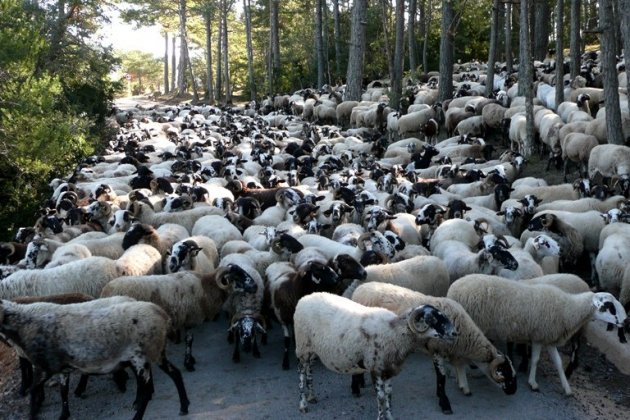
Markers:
point(260, 389)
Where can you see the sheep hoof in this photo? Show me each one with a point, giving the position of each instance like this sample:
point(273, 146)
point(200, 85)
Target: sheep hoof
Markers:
point(285, 365)
point(190, 367)
point(449, 411)
point(468, 394)
point(183, 412)
point(534, 388)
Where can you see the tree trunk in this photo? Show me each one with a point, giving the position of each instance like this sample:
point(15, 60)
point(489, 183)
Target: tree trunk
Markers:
point(624, 8)
point(411, 36)
point(398, 54)
point(425, 34)
point(609, 70)
point(388, 52)
point(226, 61)
point(508, 37)
point(275, 39)
point(574, 45)
point(617, 25)
point(492, 53)
point(319, 43)
point(559, 52)
point(166, 85)
point(209, 93)
point(542, 12)
point(525, 81)
point(181, 79)
point(193, 81)
point(219, 84)
point(445, 84)
point(337, 29)
point(247, 8)
point(325, 38)
point(354, 75)
point(173, 64)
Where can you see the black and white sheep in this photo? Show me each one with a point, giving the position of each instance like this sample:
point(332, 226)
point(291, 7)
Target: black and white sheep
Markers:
point(540, 315)
point(196, 253)
point(351, 338)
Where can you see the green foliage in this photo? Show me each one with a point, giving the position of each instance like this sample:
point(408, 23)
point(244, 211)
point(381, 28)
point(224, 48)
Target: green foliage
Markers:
point(49, 115)
point(145, 70)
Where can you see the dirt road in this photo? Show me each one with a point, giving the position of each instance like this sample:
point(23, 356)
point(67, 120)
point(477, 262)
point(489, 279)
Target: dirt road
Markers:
point(260, 389)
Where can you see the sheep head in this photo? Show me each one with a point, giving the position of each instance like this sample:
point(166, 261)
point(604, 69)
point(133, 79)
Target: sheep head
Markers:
point(608, 309)
point(428, 322)
point(236, 278)
point(502, 372)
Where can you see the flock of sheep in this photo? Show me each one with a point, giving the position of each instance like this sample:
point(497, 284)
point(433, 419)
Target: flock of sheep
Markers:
point(345, 222)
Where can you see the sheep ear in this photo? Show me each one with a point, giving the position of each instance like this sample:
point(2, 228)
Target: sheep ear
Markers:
point(500, 213)
point(195, 251)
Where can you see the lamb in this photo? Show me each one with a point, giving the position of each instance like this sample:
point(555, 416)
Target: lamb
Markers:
point(186, 219)
point(196, 253)
point(216, 227)
point(53, 338)
point(317, 321)
point(541, 315)
point(609, 160)
point(288, 283)
point(86, 276)
point(470, 345)
point(577, 147)
point(189, 298)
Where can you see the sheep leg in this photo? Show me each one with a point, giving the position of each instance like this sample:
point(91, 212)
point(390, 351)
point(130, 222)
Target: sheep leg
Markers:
point(255, 350)
point(236, 355)
point(37, 391)
point(63, 391)
point(358, 382)
point(462, 379)
point(120, 377)
point(287, 344)
point(307, 394)
point(440, 376)
point(144, 390)
point(557, 361)
point(189, 360)
point(174, 373)
point(26, 369)
point(383, 390)
point(81, 386)
point(536, 348)
point(573, 361)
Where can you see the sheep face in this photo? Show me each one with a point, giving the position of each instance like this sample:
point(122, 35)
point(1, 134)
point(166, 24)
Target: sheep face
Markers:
point(510, 215)
point(501, 371)
point(285, 245)
point(530, 202)
point(608, 309)
point(121, 221)
point(181, 252)
point(456, 209)
point(337, 211)
point(546, 246)
point(246, 329)
point(430, 214)
point(322, 275)
point(348, 268)
point(428, 322)
point(49, 221)
point(503, 257)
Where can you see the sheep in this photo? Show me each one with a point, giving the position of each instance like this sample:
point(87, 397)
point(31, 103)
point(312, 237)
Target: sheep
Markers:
point(216, 227)
point(473, 126)
point(288, 283)
point(68, 253)
point(161, 238)
point(317, 321)
point(244, 303)
point(576, 147)
point(470, 345)
point(530, 256)
point(329, 247)
point(493, 115)
point(612, 260)
point(567, 107)
point(541, 315)
point(423, 273)
point(517, 132)
point(86, 276)
point(196, 253)
point(548, 193)
point(189, 298)
point(110, 246)
point(583, 204)
point(186, 219)
point(53, 337)
point(609, 160)
point(11, 252)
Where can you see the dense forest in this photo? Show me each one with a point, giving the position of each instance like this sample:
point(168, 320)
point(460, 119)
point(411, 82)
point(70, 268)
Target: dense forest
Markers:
point(56, 89)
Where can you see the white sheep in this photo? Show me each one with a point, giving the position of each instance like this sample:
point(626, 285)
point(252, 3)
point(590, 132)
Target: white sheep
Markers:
point(216, 227)
point(351, 338)
point(86, 276)
point(161, 238)
point(54, 337)
point(609, 160)
point(541, 315)
point(577, 147)
point(188, 298)
point(186, 219)
point(329, 247)
point(470, 345)
point(613, 259)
